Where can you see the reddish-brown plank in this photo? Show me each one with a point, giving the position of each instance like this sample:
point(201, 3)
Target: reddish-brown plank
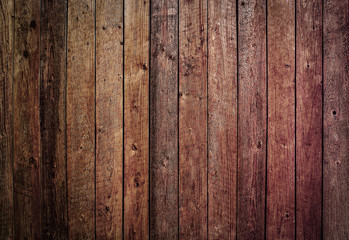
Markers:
point(280, 215)
point(308, 119)
point(222, 119)
point(252, 116)
point(336, 120)
point(193, 119)
point(81, 119)
point(52, 118)
point(136, 119)
point(164, 120)
point(26, 123)
point(6, 77)
point(109, 119)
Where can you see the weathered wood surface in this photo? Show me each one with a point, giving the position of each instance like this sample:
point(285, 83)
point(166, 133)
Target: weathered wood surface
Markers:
point(26, 122)
point(336, 120)
point(222, 119)
point(81, 119)
point(280, 215)
point(109, 119)
point(164, 120)
point(252, 119)
point(308, 119)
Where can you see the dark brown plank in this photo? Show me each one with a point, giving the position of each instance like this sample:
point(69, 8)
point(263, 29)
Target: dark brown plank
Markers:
point(281, 121)
point(52, 118)
point(26, 123)
point(136, 120)
point(81, 119)
point(6, 77)
point(164, 120)
point(193, 119)
point(252, 116)
point(309, 119)
point(336, 120)
point(109, 119)
point(222, 119)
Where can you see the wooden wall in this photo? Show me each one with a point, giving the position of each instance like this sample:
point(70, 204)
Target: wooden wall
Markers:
point(174, 119)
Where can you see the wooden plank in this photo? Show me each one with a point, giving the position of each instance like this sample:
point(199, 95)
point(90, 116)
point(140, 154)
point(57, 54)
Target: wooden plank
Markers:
point(281, 121)
point(193, 119)
point(52, 118)
point(6, 137)
point(136, 120)
point(222, 119)
point(336, 120)
point(252, 116)
point(81, 119)
point(164, 120)
point(309, 119)
point(109, 119)
point(26, 123)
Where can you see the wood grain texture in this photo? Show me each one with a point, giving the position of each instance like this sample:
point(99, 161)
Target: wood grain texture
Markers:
point(52, 118)
point(222, 119)
point(281, 121)
point(193, 119)
point(309, 119)
point(336, 120)
point(109, 119)
point(252, 116)
point(164, 120)
point(6, 137)
point(81, 119)
point(26, 123)
point(136, 120)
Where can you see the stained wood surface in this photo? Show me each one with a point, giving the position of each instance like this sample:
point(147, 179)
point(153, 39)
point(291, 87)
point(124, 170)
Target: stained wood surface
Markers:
point(136, 120)
point(336, 120)
point(81, 119)
point(309, 119)
point(280, 215)
point(164, 120)
point(252, 119)
point(26, 121)
point(222, 119)
point(6, 108)
point(109, 119)
point(52, 119)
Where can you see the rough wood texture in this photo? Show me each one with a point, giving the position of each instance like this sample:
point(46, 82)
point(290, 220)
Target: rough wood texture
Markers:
point(109, 118)
point(6, 77)
point(136, 120)
point(164, 120)
point(193, 119)
point(222, 119)
point(252, 116)
point(281, 121)
point(81, 119)
point(52, 119)
point(26, 123)
point(309, 119)
point(336, 120)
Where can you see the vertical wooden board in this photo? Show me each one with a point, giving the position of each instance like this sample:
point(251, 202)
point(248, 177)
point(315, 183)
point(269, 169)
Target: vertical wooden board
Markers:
point(6, 77)
point(308, 119)
point(52, 118)
point(252, 116)
point(26, 124)
point(136, 120)
point(81, 119)
point(336, 120)
point(164, 120)
point(280, 218)
point(193, 119)
point(109, 103)
point(222, 119)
